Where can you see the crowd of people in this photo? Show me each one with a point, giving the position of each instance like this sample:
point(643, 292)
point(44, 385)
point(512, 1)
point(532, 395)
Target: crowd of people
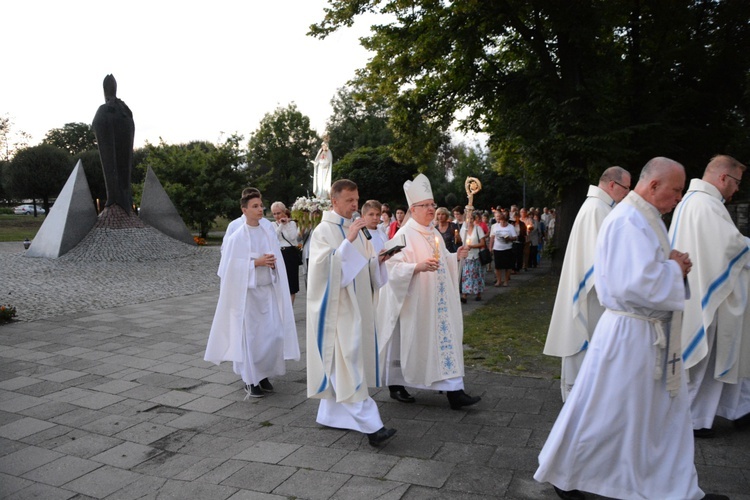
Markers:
point(649, 323)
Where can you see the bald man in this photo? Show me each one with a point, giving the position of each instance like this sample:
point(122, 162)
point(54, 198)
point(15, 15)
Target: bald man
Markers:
point(577, 307)
point(625, 431)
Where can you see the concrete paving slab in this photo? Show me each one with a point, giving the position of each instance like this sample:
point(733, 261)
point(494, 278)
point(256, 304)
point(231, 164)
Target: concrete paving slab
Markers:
point(29, 458)
point(259, 477)
point(267, 452)
point(62, 470)
point(326, 484)
point(126, 455)
point(422, 472)
point(103, 481)
point(23, 427)
point(367, 487)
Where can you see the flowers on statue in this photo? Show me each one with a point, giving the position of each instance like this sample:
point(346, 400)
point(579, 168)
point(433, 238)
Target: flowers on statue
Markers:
point(7, 313)
point(305, 204)
point(307, 212)
point(199, 241)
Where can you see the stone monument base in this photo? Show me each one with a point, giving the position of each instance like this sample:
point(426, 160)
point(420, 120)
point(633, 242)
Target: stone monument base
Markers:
point(119, 236)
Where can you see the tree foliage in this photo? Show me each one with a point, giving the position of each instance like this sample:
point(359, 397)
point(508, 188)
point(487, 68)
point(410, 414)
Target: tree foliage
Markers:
point(203, 180)
point(38, 172)
point(75, 138)
point(280, 153)
point(377, 174)
point(92, 167)
point(563, 89)
point(356, 123)
point(10, 140)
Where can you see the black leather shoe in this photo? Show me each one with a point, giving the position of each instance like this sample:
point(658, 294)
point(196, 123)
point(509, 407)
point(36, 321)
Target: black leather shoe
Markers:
point(399, 393)
point(715, 496)
point(703, 433)
point(378, 438)
point(569, 495)
point(457, 399)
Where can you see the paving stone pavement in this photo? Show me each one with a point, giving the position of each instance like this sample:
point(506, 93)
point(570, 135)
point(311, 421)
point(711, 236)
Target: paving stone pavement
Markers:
point(114, 401)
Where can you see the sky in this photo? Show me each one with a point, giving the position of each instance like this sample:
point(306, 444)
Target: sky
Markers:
point(189, 70)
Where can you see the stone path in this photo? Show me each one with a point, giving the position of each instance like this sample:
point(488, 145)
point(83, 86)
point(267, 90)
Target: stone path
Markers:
point(105, 395)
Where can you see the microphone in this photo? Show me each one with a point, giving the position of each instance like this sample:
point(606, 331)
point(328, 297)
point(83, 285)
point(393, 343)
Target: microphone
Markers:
point(367, 234)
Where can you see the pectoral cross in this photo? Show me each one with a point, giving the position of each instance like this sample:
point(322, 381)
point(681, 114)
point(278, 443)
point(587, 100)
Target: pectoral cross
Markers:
point(674, 361)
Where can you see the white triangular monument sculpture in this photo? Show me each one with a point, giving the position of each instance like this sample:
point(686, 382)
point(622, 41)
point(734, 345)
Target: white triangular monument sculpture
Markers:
point(158, 211)
point(69, 220)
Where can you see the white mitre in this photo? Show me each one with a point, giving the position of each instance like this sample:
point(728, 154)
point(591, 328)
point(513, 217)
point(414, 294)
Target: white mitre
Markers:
point(418, 190)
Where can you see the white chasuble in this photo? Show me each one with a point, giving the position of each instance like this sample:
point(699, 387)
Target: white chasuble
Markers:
point(577, 308)
point(620, 433)
point(715, 327)
point(341, 334)
point(244, 315)
point(425, 308)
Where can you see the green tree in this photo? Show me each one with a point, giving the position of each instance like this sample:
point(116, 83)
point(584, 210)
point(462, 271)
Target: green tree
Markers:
point(38, 172)
point(280, 153)
point(203, 181)
point(92, 167)
point(355, 123)
point(563, 89)
point(377, 174)
point(11, 141)
point(74, 138)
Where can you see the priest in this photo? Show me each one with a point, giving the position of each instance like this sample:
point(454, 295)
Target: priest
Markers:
point(577, 307)
point(624, 431)
point(420, 322)
point(254, 322)
point(716, 326)
point(342, 348)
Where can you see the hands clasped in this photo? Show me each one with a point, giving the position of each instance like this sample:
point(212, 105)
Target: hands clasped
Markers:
point(683, 259)
point(268, 260)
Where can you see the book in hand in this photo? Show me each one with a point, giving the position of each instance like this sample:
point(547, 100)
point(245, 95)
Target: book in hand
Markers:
point(394, 245)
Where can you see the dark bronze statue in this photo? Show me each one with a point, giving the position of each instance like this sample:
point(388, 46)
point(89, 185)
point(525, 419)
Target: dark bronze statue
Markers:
point(114, 129)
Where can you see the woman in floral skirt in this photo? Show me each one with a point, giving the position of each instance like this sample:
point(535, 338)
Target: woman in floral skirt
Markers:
point(472, 276)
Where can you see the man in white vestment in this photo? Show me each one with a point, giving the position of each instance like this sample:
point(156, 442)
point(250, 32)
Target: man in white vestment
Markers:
point(577, 307)
point(420, 320)
point(625, 431)
point(342, 348)
point(241, 220)
point(715, 333)
point(254, 323)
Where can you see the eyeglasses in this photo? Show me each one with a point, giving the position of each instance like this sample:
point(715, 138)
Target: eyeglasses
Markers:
point(734, 178)
point(425, 205)
point(626, 188)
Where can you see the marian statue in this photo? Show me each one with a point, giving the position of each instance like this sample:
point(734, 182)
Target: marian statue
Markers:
point(114, 130)
point(323, 164)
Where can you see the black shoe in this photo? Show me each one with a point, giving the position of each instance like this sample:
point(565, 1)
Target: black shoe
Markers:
point(253, 391)
point(457, 399)
point(378, 438)
point(479, 297)
point(715, 496)
point(399, 393)
point(463, 300)
point(703, 433)
point(265, 385)
point(743, 422)
point(569, 495)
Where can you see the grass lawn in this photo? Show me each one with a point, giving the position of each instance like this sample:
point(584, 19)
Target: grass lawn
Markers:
point(18, 227)
point(507, 335)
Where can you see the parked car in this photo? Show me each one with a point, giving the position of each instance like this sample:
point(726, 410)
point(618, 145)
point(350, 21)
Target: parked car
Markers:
point(27, 210)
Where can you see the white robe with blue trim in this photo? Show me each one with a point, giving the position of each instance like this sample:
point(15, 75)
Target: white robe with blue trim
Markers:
point(715, 326)
point(577, 308)
point(341, 334)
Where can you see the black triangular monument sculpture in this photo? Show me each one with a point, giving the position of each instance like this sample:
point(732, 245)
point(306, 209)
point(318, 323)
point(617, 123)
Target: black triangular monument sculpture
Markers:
point(69, 220)
point(158, 211)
